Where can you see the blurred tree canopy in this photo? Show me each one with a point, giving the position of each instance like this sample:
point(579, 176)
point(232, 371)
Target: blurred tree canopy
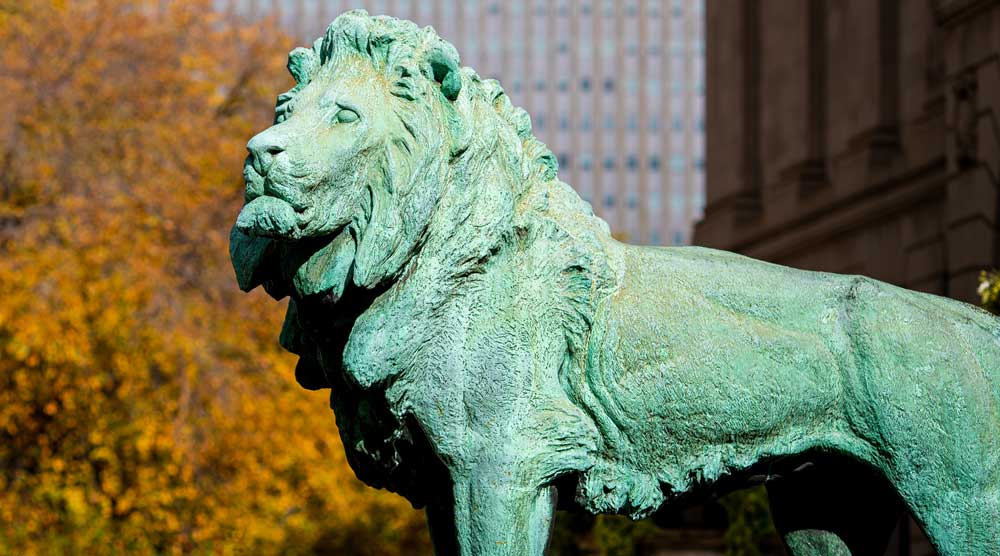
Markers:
point(145, 406)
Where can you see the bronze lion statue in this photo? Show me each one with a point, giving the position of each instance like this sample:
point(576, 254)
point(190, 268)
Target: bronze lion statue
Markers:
point(494, 354)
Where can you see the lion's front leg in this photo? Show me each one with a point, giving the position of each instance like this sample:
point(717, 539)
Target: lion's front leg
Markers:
point(495, 512)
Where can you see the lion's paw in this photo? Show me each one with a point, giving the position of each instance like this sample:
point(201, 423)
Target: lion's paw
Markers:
point(611, 488)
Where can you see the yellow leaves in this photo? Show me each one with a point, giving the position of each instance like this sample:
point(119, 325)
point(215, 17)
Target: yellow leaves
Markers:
point(989, 290)
point(145, 406)
point(76, 503)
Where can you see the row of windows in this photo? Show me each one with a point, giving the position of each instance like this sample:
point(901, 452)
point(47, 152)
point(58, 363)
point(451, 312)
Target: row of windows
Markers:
point(678, 237)
point(680, 203)
point(677, 49)
point(610, 200)
point(677, 124)
point(677, 163)
point(608, 86)
point(631, 10)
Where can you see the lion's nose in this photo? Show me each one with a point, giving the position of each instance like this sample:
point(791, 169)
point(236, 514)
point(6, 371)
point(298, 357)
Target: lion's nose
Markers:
point(262, 153)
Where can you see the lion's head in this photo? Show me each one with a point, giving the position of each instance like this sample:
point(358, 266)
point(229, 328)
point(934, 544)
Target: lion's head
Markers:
point(357, 157)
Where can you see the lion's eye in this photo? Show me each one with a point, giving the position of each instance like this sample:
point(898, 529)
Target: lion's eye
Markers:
point(346, 116)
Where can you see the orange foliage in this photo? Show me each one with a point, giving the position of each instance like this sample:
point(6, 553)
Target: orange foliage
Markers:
point(145, 406)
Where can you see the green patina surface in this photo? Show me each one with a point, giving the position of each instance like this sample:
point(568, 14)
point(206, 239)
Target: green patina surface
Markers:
point(489, 345)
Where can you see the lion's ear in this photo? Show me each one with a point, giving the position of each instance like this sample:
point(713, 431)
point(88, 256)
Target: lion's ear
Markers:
point(302, 64)
point(443, 61)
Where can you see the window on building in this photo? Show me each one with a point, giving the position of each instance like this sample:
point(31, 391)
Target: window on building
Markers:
point(540, 122)
point(540, 85)
point(609, 163)
point(607, 48)
point(632, 202)
point(677, 163)
point(609, 200)
point(563, 159)
point(654, 163)
point(585, 123)
point(677, 124)
point(678, 237)
point(609, 121)
point(563, 122)
point(585, 163)
point(632, 163)
point(609, 85)
point(585, 84)
point(563, 86)
point(632, 123)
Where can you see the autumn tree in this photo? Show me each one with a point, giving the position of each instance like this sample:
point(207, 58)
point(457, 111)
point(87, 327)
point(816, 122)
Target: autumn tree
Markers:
point(145, 406)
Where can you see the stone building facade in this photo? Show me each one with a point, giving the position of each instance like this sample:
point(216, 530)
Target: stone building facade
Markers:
point(856, 136)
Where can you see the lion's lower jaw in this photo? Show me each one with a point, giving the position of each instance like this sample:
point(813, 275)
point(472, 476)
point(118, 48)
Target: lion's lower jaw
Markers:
point(270, 217)
point(327, 271)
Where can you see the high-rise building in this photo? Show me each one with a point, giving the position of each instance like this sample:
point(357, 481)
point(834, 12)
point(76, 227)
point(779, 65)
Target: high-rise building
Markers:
point(614, 88)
